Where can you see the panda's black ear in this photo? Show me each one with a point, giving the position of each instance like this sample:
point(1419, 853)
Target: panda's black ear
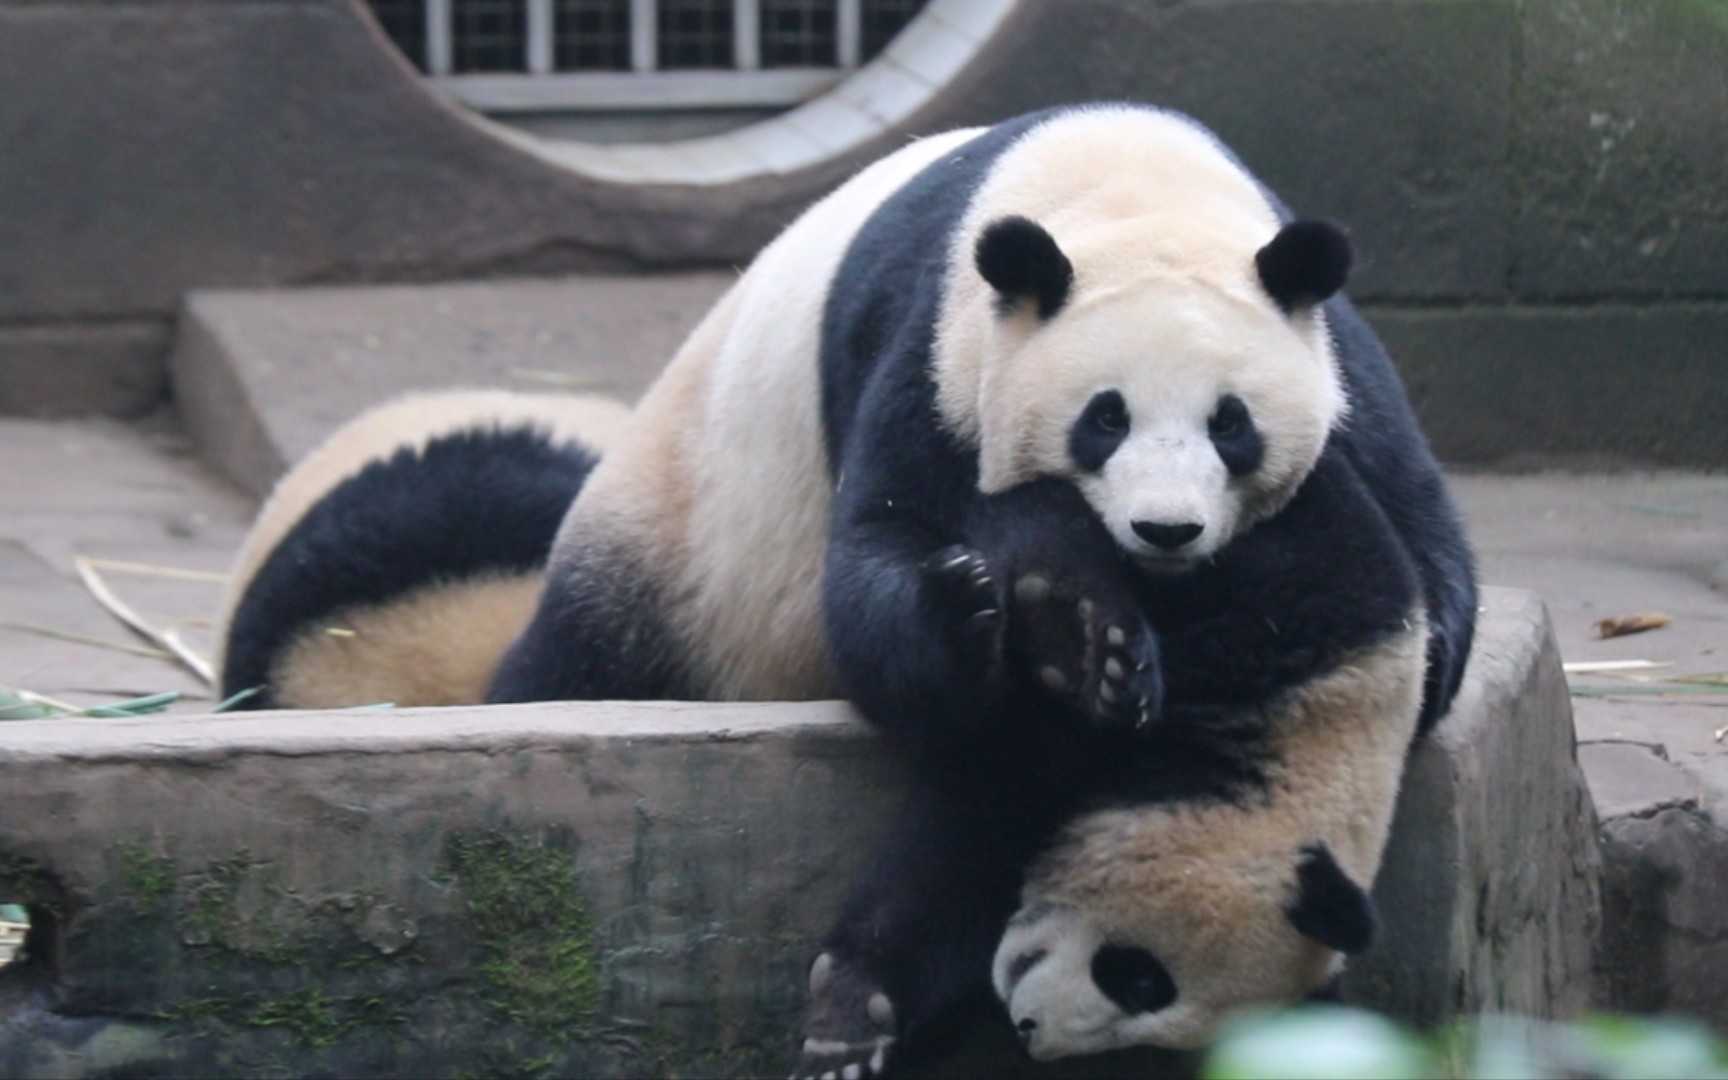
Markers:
point(1022, 262)
point(1329, 907)
point(1304, 264)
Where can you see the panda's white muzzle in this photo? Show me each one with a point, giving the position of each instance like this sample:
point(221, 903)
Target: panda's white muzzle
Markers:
point(1166, 500)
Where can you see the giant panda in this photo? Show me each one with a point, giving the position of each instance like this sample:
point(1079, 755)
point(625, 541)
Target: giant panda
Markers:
point(397, 560)
point(1098, 295)
point(1135, 885)
point(980, 308)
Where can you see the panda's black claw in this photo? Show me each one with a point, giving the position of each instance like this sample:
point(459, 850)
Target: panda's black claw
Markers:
point(966, 596)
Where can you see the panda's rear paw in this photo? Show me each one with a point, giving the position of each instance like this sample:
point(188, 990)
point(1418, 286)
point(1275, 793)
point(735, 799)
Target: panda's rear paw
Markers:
point(848, 1025)
point(1124, 686)
point(968, 598)
point(1095, 650)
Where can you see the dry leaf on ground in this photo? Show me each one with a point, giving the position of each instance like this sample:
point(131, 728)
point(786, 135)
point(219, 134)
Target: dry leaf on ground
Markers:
point(1622, 625)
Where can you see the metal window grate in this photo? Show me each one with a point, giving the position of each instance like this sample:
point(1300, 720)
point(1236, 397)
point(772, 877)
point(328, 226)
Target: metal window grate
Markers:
point(694, 34)
point(489, 35)
point(535, 55)
point(591, 35)
point(799, 33)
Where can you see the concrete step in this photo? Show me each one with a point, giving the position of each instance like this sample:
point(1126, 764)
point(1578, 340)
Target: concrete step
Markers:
point(633, 889)
point(261, 376)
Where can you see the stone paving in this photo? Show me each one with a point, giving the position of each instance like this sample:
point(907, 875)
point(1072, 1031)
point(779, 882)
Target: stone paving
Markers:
point(129, 492)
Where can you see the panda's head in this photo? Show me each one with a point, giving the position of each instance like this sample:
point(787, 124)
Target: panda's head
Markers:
point(1110, 951)
point(1182, 375)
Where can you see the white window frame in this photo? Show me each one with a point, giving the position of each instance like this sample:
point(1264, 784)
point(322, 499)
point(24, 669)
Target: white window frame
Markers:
point(746, 85)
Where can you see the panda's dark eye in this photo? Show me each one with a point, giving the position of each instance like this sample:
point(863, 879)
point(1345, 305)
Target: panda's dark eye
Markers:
point(1230, 420)
point(1235, 436)
point(1099, 430)
point(1132, 978)
point(1109, 413)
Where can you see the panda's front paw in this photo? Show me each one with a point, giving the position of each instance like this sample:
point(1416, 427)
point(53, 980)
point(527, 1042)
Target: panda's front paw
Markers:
point(849, 1029)
point(1096, 650)
point(967, 597)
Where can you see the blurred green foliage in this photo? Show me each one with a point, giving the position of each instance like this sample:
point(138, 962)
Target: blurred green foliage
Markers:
point(1352, 1044)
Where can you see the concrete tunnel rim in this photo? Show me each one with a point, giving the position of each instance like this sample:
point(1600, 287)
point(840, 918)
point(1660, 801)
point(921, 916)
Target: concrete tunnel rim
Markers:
point(876, 100)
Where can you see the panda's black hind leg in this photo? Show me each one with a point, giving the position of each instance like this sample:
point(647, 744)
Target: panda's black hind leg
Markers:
point(912, 945)
point(1075, 624)
point(849, 1031)
point(1094, 647)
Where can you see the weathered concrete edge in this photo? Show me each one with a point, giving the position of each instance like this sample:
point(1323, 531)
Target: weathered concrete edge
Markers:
point(1490, 891)
point(801, 785)
point(217, 406)
point(499, 729)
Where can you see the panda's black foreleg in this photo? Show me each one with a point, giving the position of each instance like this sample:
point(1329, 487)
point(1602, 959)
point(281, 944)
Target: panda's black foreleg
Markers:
point(915, 939)
point(914, 630)
point(931, 637)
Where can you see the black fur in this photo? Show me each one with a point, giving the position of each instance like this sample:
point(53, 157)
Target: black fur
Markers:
point(1329, 907)
point(1022, 262)
point(1102, 426)
point(474, 502)
point(1281, 604)
point(1341, 567)
point(1304, 264)
point(559, 657)
point(1239, 444)
point(1133, 978)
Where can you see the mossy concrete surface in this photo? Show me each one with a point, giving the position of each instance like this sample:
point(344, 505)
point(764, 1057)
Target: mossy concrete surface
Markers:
point(610, 889)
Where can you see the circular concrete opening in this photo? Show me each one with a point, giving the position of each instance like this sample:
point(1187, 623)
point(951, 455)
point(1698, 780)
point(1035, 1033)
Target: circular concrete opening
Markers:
point(690, 92)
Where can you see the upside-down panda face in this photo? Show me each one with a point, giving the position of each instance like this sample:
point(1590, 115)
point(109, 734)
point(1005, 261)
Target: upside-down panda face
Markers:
point(1184, 410)
point(1124, 955)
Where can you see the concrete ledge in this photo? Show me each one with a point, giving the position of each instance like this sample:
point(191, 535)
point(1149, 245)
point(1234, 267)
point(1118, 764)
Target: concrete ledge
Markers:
point(263, 376)
point(1491, 888)
point(623, 890)
point(112, 368)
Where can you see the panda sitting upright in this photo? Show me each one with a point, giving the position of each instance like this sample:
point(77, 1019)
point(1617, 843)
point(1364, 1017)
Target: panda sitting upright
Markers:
point(1097, 295)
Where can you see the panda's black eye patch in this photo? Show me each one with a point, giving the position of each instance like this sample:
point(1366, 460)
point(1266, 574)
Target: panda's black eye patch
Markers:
point(1102, 426)
point(1234, 435)
point(1132, 978)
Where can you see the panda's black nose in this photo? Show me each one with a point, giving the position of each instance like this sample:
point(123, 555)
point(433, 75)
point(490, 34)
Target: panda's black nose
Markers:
point(1168, 537)
point(1027, 1027)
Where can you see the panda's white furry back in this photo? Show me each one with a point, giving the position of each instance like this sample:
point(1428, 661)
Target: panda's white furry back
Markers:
point(397, 561)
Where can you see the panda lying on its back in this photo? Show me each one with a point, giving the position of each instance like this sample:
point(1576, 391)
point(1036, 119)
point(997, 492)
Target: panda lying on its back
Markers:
point(417, 532)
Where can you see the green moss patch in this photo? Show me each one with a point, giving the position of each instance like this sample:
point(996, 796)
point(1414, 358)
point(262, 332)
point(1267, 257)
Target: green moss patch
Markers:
point(311, 1016)
point(524, 904)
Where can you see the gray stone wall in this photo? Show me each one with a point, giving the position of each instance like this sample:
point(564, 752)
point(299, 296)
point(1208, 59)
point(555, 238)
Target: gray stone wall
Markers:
point(1507, 166)
point(601, 889)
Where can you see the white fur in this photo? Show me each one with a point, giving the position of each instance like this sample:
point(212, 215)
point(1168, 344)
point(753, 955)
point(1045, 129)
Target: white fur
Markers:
point(1161, 227)
point(1203, 885)
point(723, 481)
